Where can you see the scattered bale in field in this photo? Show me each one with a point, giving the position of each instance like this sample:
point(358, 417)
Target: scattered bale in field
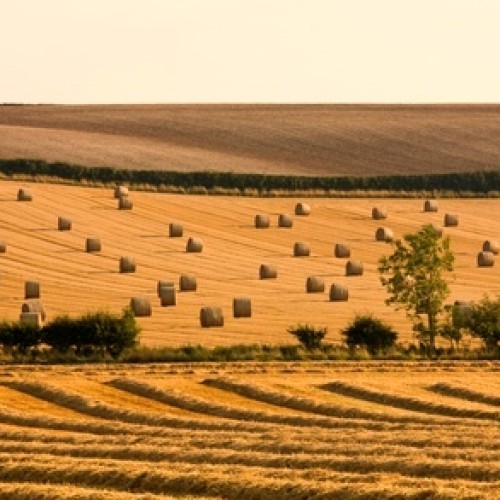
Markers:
point(164, 284)
point(63, 224)
point(384, 234)
point(338, 293)
point(141, 306)
point(31, 318)
point(34, 306)
point(127, 265)
point(167, 296)
point(285, 220)
point(354, 268)
point(491, 246)
point(430, 206)
point(262, 221)
point(378, 213)
point(187, 283)
point(120, 191)
point(302, 209)
point(211, 316)
point(301, 249)
point(268, 272)
point(485, 259)
point(175, 230)
point(194, 245)
point(3, 246)
point(315, 284)
point(32, 290)
point(437, 230)
point(342, 250)
point(92, 245)
point(242, 307)
point(24, 195)
point(125, 203)
point(450, 220)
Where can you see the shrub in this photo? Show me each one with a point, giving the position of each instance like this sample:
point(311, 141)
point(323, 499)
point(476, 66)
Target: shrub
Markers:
point(370, 333)
point(19, 337)
point(484, 321)
point(309, 336)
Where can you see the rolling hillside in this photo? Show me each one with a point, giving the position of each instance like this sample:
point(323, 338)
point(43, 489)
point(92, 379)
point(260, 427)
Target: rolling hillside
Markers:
point(274, 139)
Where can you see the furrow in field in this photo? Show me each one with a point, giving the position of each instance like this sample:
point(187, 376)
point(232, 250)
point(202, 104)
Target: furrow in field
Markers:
point(464, 393)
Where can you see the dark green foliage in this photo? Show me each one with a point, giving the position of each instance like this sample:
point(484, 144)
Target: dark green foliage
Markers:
point(484, 322)
point(369, 332)
point(309, 336)
point(19, 337)
point(59, 333)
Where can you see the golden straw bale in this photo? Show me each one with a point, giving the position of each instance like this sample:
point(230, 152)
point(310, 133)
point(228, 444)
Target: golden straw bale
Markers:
point(63, 224)
point(267, 272)
point(31, 318)
point(301, 249)
point(164, 284)
point(187, 283)
point(92, 245)
point(485, 259)
point(430, 206)
point(242, 307)
point(3, 246)
point(32, 290)
point(141, 306)
point(491, 246)
point(338, 292)
point(302, 209)
point(342, 250)
point(127, 265)
point(285, 220)
point(354, 268)
point(384, 234)
point(120, 191)
point(211, 317)
point(34, 306)
point(168, 296)
point(451, 220)
point(125, 203)
point(194, 245)
point(24, 194)
point(315, 284)
point(175, 230)
point(262, 221)
point(379, 213)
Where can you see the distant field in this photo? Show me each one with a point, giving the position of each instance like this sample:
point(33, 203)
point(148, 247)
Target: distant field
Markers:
point(378, 430)
point(274, 139)
point(74, 282)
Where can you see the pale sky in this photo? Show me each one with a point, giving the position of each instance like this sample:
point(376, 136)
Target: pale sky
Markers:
point(307, 51)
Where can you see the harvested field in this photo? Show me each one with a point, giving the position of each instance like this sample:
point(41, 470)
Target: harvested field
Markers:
point(251, 431)
point(75, 281)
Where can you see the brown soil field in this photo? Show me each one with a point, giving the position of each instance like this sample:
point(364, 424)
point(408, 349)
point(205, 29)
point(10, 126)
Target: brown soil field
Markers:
point(281, 431)
point(74, 282)
point(273, 139)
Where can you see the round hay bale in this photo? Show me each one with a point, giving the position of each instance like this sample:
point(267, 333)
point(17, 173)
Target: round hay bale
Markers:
point(430, 206)
point(489, 246)
point(63, 224)
point(32, 290)
point(301, 249)
point(125, 203)
point(302, 209)
point(92, 245)
point(379, 213)
point(34, 306)
point(315, 284)
point(268, 272)
point(262, 221)
point(120, 191)
point(194, 245)
point(127, 265)
point(31, 318)
point(175, 230)
point(242, 307)
point(164, 284)
point(450, 220)
point(485, 259)
point(168, 296)
point(285, 220)
point(24, 194)
point(3, 246)
point(354, 268)
point(187, 283)
point(384, 234)
point(141, 306)
point(342, 250)
point(338, 293)
point(211, 317)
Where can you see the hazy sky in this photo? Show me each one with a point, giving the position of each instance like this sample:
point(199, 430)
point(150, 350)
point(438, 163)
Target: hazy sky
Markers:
point(112, 51)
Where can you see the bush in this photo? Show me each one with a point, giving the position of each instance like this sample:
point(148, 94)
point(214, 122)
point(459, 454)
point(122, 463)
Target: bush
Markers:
point(484, 322)
point(309, 336)
point(370, 333)
point(19, 337)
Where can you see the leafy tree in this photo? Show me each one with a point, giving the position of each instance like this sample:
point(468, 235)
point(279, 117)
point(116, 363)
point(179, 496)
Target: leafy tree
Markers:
point(19, 336)
point(309, 336)
point(484, 321)
point(414, 276)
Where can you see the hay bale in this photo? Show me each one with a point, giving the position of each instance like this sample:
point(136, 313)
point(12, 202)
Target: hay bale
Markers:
point(450, 220)
point(32, 290)
point(34, 306)
point(485, 259)
point(164, 284)
point(31, 318)
point(268, 272)
point(342, 250)
point(262, 221)
point(187, 283)
point(175, 230)
point(489, 246)
point(378, 213)
point(125, 203)
point(24, 194)
point(3, 246)
point(285, 220)
point(301, 249)
point(315, 284)
point(120, 191)
point(92, 245)
point(338, 293)
point(302, 209)
point(211, 317)
point(63, 224)
point(168, 296)
point(127, 265)
point(354, 268)
point(384, 234)
point(465, 310)
point(141, 306)
point(242, 307)
point(430, 206)
point(194, 245)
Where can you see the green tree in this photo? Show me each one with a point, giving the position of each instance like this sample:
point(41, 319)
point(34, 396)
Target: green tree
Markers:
point(414, 276)
point(484, 321)
point(309, 336)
